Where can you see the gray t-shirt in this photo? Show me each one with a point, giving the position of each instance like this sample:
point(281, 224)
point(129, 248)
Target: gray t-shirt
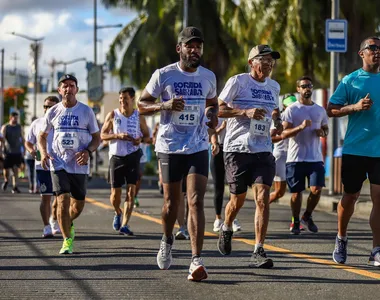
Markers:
point(306, 145)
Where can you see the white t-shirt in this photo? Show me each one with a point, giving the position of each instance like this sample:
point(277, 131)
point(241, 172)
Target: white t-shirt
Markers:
point(144, 148)
point(243, 134)
point(73, 128)
point(34, 130)
point(123, 124)
point(280, 148)
point(222, 133)
point(183, 132)
point(306, 145)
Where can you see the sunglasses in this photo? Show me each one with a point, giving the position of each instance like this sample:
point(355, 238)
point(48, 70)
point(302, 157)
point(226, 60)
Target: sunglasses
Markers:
point(47, 106)
point(306, 86)
point(269, 61)
point(371, 47)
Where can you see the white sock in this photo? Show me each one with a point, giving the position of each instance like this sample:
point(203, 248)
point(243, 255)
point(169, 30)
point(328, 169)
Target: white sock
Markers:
point(257, 246)
point(225, 227)
point(344, 238)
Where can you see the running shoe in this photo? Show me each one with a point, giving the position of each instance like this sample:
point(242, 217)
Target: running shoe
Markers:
point(15, 190)
point(182, 234)
point(125, 230)
point(67, 246)
point(137, 203)
point(4, 186)
point(309, 224)
point(54, 226)
point(47, 232)
point(72, 232)
point(224, 241)
point(116, 224)
point(340, 251)
point(217, 224)
point(197, 270)
point(161, 188)
point(236, 225)
point(259, 260)
point(295, 228)
point(374, 259)
point(164, 255)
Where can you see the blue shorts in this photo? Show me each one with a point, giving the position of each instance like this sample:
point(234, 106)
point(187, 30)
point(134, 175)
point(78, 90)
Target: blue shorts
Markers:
point(44, 180)
point(297, 172)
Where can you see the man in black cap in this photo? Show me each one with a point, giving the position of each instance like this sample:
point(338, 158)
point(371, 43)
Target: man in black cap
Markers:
point(188, 98)
point(250, 102)
point(76, 135)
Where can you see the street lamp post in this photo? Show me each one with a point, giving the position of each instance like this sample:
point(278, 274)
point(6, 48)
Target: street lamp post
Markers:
point(65, 63)
point(2, 89)
point(35, 48)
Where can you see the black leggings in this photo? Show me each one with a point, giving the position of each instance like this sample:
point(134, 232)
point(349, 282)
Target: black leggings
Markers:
point(218, 173)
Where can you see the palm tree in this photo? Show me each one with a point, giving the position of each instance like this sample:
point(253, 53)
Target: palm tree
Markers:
point(152, 36)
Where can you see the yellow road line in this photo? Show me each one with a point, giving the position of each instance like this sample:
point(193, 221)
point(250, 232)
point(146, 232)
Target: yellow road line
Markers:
point(269, 247)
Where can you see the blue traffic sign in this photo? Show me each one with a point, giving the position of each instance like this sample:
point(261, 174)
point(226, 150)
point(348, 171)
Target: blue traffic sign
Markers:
point(336, 35)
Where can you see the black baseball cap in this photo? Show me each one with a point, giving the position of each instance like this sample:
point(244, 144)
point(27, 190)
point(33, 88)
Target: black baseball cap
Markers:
point(190, 33)
point(67, 77)
point(261, 50)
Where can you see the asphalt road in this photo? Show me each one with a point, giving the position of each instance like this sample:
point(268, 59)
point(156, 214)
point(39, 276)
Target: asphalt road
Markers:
point(106, 265)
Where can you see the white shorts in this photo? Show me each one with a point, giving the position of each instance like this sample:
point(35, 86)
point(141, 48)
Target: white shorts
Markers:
point(280, 166)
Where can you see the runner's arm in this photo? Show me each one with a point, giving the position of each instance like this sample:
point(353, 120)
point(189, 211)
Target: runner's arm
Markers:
point(211, 112)
point(95, 142)
point(145, 131)
point(107, 128)
point(30, 148)
point(147, 104)
point(221, 127)
point(334, 110)
point(290, 131)
point(229, 112)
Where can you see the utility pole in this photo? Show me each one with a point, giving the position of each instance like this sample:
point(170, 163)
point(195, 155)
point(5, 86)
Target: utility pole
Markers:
point(15, 58)
point(185, 13)
point(95, 35)
point(333, 122)
point(2, 89)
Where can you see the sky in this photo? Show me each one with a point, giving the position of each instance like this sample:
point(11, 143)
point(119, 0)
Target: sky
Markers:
point(67, 28)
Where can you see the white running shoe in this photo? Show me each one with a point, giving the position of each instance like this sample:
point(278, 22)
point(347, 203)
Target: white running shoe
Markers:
point(164, 255)
point(197, 270)
point(236, 225)
point(54, 226)
point(217, 224)
point(47, 232)
point(182, 234)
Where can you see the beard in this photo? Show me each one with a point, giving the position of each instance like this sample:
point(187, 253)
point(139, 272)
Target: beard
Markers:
point(307, 95)
point(189, 62)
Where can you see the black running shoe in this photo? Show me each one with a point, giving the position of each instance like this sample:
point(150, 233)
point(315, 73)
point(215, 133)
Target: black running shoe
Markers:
point(15, 190)
point(4, 186)
point(259, 260)
point(224, 241)
point(309, 224)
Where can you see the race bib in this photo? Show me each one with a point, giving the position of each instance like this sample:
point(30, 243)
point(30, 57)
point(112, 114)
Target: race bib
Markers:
point(260, 127)
point(188, 117)
point(69, 140)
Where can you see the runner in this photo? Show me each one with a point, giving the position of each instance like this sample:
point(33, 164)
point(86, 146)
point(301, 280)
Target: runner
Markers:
point(358, 97)
point(13, 145)
point(188, 94)
point(51, 226)
point(125, 129)
point(76, 135)
point(250, 102)
point(304, 124)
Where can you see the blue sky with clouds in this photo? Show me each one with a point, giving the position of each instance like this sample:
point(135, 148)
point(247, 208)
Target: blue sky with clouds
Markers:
point(67, 27)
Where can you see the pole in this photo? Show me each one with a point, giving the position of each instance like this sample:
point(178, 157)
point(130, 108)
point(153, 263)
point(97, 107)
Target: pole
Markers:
point(2, 89)
point(185, 13)
point(95, 35)
point(35, 78)
point(333, 122)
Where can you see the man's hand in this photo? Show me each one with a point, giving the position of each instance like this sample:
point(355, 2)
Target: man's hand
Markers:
point(364, 103)
point(176, 104)
point(45, 159)
point(214, 149)
point(137, 141)
point(278, 125)
point(82, 157)
point(305, 123)
point(124, 137)
point(256, 113)
point(321, 132)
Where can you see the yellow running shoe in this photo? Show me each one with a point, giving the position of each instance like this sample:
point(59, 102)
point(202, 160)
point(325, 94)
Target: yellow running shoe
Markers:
point(67, 246)
point(72, 232)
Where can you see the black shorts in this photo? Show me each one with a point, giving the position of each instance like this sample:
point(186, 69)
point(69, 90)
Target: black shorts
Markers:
point(175, 167)
point(356, 169)
point(245, 169)
point(74, 184)
point(12, 160)
point(124, 169)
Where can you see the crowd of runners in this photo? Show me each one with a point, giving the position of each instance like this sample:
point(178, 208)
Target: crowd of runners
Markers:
point(252, 143)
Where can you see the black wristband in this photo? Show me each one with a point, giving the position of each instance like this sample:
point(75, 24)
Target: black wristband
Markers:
point(88, 150)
